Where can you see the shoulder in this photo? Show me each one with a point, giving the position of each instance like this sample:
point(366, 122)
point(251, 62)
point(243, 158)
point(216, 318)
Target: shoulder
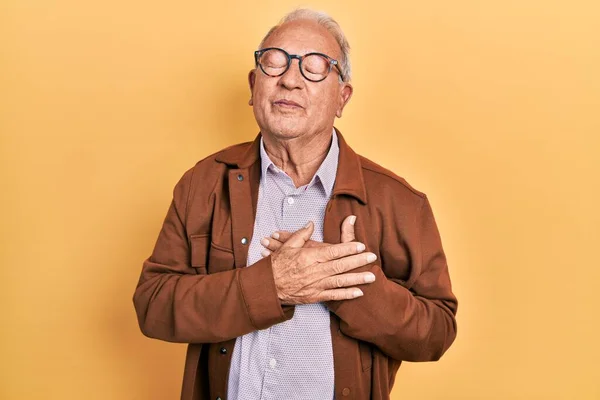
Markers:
point(380, 179)
point(216, 163)
point(208, 172)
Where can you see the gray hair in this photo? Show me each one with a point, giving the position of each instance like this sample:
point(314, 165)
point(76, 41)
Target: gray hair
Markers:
point(328, 23)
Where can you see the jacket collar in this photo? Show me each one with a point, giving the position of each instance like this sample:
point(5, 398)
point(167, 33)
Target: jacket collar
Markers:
point(349, 177)
point(325, 175)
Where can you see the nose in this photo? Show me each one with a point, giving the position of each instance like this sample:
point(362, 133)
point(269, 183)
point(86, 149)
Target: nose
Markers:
point(292, 78)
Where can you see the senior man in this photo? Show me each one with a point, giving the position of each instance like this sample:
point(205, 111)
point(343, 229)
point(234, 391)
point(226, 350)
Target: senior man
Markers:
point(293, 267)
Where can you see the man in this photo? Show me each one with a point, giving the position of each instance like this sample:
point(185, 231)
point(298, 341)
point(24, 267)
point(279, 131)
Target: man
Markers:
point(295, 268)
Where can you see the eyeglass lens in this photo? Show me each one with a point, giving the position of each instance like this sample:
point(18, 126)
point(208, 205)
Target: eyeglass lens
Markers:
point(274, 62)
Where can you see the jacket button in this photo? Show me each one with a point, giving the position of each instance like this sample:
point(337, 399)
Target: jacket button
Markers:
point(244, 240)
point(240, 177)
point(346, 391)
point(223, 350)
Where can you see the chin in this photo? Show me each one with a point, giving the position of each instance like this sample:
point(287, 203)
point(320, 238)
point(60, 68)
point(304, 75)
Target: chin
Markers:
point(288, 130)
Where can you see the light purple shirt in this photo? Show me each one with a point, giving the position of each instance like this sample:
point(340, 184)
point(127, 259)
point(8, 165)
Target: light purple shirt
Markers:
point(292, 360)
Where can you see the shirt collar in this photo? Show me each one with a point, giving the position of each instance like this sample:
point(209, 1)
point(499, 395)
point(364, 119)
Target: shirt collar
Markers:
point(349, 178)
point(326, 172)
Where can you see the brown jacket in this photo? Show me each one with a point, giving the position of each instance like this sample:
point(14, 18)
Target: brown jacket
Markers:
point(193, 288)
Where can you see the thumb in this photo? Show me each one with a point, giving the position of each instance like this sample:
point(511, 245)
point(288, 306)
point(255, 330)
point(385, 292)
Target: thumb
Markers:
point(301, 236)
point(348, 229)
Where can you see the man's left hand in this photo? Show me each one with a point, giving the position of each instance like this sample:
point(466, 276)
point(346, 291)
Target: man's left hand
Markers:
point(278, 238)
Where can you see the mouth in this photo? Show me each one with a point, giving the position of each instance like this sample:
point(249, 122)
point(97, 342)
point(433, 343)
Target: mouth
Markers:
point(287, 104)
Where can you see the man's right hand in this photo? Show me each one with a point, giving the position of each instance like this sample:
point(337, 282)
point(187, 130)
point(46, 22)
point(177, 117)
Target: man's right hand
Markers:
point(305, 275)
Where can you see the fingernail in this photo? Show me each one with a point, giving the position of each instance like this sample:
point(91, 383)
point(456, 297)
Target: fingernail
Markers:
point(371, 257)
point(308, 225)
point(265, 253)
point(264, 242)
point(360, 247)
point(358, 293)
point(275, 235)
point(353, 220)
point(369, 278)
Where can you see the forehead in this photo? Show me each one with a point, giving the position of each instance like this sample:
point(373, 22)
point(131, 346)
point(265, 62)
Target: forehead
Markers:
point(304, 36)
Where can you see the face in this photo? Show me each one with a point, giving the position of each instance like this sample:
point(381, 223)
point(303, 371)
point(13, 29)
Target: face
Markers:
point(291, 106)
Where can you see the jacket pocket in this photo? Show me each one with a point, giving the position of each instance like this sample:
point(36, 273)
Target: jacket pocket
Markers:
point(366, 355)
point(220, 259)
point(199, 252)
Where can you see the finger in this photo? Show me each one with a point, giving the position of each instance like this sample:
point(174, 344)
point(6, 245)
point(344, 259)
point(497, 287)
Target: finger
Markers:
point(346, 280)
point(282, 236)
point(301, 236)
point(314, 243)
point(339, 294)
point(340, 266)
point(271, 244)
point(335, 251)
point(348, 229)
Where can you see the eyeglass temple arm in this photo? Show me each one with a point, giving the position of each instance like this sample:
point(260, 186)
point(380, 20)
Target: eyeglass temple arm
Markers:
point(337, 65)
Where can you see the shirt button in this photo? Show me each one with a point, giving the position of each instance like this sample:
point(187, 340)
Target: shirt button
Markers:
point(223, 350)
point(346, 391)
point(240, 177)
point(290, 200)
point(273, 362)
point(244, 240)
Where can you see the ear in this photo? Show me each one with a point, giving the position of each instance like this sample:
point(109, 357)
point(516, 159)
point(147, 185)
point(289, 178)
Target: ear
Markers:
point(345, 95)
point(251, 80)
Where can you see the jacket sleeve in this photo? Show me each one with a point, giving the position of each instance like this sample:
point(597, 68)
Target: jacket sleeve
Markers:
point(411, 320)
point(174, 302)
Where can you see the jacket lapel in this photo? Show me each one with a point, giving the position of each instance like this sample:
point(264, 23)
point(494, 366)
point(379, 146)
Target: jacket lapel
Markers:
point(244, 180)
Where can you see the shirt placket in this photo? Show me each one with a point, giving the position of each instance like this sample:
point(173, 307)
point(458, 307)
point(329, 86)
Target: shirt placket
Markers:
point(274, 360)
point(271, 372)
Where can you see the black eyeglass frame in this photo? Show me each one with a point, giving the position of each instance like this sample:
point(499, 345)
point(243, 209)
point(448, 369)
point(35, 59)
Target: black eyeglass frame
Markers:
point(332, 63)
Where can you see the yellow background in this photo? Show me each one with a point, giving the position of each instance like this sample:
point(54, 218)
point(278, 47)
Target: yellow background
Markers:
point(490, 107)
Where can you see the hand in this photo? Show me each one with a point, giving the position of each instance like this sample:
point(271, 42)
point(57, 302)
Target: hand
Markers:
point(305, 275)
point(278, 238)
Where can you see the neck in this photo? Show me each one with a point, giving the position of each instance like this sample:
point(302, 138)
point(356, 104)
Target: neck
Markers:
point(299, 157)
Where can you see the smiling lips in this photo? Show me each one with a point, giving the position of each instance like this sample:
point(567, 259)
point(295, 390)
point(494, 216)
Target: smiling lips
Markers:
point(287, 104)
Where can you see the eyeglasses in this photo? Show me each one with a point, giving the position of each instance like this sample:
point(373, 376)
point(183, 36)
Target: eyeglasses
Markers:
point(315, 67)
